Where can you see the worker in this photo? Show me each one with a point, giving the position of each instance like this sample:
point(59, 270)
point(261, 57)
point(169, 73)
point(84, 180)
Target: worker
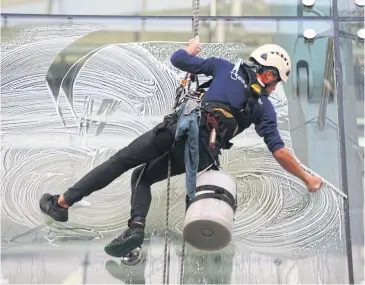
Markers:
point(238, 97)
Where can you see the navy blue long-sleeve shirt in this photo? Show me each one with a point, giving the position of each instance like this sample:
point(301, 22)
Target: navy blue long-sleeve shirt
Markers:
point(223, 88)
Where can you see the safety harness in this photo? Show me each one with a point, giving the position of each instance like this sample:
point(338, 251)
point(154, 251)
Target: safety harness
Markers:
point(222, 120)
point(254, 89)
point(224, 112)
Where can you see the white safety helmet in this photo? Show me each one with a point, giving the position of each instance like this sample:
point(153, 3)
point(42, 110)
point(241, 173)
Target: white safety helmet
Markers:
point(273, 55)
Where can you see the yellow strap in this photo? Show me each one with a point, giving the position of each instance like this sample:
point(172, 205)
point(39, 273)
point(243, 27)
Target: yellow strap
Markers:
point(229, 116)
point(224, 112)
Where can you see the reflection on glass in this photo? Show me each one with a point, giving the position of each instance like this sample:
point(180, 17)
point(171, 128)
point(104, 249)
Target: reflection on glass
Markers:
point(108, 92)
point(352, 53)
point(181, 8)
point(162, 7)
point(353, 8)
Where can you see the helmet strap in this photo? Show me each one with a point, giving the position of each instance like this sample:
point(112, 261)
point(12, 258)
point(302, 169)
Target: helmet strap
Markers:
point(272, 82)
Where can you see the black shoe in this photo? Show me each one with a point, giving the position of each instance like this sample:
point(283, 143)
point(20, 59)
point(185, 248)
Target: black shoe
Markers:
point(125, 243)
point(50, 207)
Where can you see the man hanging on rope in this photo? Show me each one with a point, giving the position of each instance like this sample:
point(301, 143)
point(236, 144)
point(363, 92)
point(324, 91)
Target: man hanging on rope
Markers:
point(237, 97)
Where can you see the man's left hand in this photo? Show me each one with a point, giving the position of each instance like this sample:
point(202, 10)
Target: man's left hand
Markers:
point(314, 183)
point(194, 46)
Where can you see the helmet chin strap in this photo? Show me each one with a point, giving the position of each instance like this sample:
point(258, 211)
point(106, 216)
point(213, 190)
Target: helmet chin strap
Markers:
point(268, 83)
point(259, 80)
point(262, 83)
point(253, 66)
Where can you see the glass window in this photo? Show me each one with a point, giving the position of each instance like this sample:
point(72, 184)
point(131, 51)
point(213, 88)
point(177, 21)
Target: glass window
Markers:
point(90, 93)
point(75, 90)
point(354, 8)
point(180, 8)
point(352, 58)
point(265, 8)
point(166, 7)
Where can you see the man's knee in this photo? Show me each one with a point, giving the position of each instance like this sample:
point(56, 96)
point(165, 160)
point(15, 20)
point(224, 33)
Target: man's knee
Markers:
point(135, 175)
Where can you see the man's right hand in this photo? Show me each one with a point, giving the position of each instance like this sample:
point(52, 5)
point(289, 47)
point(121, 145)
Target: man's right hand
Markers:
point(290, 164)
point(314, 183)
point(194, 46)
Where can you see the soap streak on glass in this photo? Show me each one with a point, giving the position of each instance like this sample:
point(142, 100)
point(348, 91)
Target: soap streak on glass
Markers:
point(53, 135)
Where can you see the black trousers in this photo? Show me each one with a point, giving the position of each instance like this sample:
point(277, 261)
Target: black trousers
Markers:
point(150, 147)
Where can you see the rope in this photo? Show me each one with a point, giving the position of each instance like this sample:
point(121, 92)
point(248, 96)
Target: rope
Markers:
point(182, 273)
point(196, 11)
point(182, 263)
point(166, 268)
point(166, 264)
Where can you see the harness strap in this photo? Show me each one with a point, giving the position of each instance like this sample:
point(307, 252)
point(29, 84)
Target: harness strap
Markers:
point(254, 88)
point(217, 193)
